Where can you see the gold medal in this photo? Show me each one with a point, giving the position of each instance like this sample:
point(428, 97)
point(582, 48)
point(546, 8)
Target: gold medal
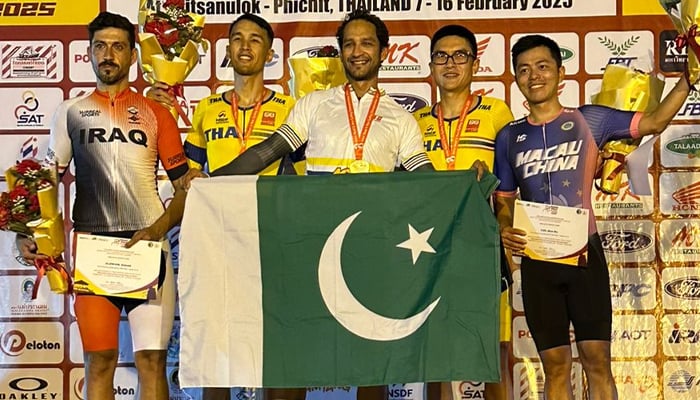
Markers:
point(359, 167)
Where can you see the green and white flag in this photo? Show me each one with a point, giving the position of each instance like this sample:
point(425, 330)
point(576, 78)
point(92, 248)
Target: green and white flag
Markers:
point(338, 280)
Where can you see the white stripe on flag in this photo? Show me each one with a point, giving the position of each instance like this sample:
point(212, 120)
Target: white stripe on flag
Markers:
point(219, 282)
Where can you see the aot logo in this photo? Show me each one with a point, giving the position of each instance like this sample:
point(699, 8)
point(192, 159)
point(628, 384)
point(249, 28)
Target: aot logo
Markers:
point(25, 112)
point(682, 381)
point(28, 9)
point(684, 288)
point(409, 102)
point(625, 241)
point(13, 342)
point(630, 334)
point(679, 335)
point(619, 51)
point(637, 290)
point(685, 145)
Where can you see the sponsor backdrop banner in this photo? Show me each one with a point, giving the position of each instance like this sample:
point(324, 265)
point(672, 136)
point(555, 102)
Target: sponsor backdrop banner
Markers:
point(649, 240)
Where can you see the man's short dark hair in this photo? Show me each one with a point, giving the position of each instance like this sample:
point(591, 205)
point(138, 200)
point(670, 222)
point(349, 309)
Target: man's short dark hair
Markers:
point(380, 27)
point(259, 21)
point(454, 30)
point(528, 42)
point(106, 19)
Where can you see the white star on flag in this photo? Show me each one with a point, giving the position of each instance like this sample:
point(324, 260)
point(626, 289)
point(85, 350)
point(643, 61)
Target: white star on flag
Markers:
point(417, 242)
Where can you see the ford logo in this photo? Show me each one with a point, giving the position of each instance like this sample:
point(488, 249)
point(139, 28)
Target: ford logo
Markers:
point(684, 288)
point(409, 102)
point(625, 241)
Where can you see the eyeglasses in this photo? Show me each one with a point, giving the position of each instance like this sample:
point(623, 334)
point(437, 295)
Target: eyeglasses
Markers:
point(458, 57)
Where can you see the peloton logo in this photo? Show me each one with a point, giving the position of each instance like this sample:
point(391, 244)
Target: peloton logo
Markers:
point(13, 342)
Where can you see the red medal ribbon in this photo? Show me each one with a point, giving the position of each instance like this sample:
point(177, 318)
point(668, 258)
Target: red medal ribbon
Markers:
point(244, 136)
point(450, 148)
point(44, 264)
point(359, 139)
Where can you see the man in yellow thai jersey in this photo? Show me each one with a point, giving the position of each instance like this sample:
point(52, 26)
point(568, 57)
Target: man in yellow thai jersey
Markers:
point(458, 131)
point(224, 125)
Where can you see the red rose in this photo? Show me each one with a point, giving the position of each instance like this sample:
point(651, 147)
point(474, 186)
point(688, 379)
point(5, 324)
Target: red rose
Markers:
point(33, 203)
point(27, 165)
point(166, 34)
point(20, 217)
point(184, 20)
point(174, 3)
point(19, 193)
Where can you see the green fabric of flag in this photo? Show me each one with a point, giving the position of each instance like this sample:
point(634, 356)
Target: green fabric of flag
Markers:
point(339, 280)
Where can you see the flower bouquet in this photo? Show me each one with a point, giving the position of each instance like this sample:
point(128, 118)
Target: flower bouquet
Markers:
point(685, 16)
point(30, 208)
point(318, 68)
point(626, 89)
point(169, 39)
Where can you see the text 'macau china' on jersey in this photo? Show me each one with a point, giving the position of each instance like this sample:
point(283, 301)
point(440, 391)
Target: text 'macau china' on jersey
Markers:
point(555, 162)
point(116, 145)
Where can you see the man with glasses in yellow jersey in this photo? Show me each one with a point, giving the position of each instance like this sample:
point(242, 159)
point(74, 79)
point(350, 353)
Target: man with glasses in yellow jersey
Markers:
point(459, 131)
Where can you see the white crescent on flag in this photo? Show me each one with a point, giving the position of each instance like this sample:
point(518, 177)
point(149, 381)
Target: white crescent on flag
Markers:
point(345, 307)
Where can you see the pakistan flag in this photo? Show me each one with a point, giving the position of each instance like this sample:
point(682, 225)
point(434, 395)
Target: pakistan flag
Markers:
point(339, 280)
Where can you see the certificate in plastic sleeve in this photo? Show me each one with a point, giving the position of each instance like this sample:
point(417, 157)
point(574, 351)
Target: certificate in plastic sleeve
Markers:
point(103, 266)
point(554, 233)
